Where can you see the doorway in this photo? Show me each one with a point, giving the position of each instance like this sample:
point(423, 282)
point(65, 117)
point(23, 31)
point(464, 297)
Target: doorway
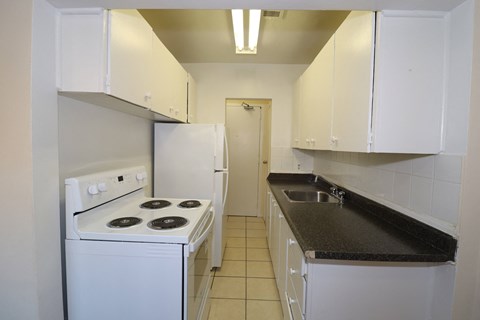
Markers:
point(248, 131)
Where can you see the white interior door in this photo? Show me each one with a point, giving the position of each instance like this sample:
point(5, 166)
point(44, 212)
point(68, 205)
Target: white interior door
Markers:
point(243, 133)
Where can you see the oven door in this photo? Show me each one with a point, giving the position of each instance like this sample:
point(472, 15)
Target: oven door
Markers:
point(198, 269)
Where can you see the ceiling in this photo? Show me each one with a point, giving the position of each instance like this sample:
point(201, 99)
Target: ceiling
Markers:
point(206, 36)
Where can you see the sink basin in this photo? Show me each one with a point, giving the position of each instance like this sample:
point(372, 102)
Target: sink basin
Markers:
point(309, 196)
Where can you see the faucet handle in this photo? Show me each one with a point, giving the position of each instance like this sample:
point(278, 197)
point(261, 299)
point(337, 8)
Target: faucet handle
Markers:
point(333, 190)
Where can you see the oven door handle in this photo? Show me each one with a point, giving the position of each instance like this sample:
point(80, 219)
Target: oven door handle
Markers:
point(194, 246)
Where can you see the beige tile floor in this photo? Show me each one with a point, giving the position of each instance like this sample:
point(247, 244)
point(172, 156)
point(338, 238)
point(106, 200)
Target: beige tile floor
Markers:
point(244, 287)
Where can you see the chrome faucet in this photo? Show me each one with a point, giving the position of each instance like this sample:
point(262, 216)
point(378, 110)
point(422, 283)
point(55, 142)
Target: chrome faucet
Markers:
point(337, 193)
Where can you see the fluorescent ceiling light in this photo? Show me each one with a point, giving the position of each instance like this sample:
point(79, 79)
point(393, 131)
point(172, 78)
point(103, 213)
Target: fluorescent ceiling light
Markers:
point(253, 30)
point(237, 18)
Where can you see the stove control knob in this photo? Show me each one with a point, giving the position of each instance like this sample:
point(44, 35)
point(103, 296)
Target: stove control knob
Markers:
point(93, 189)
point(102, 187)
point(141, 176)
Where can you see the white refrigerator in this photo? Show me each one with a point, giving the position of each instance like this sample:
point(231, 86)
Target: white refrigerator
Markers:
point(191, 162)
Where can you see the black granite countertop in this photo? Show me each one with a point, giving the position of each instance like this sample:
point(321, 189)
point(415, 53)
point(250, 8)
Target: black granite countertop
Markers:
point(360, 229)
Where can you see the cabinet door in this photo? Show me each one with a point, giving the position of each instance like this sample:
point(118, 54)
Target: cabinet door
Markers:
point(273, 244)
point(309, 93)
point(353, 78)
point(282, 262)
point(169, 94)
point(409, 90)
point(162, 96)
point(267, 215)
point(296, 112)
point(296, 272)
point(179, 78)
point(130, 56)
point(82, 50)
point(192, 100)
point(320, 111)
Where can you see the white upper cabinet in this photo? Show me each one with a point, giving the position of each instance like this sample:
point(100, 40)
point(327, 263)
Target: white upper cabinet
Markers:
point(353, 74)
point(114, 53)
point(313, 93)
point(130, 57)
point(319, 98)
point(297, 112)
point(192, 99)
point(388, 84)
point(169, 82)
point(409, 86)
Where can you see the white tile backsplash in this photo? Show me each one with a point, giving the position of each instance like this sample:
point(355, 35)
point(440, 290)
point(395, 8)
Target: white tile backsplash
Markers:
point(424, 186)
point(386, 184)
point(446, 199)
point(448, 168)
point(402, 185)
point(423, 166)
point(404, 166)
point(422, 191)
point(286, 159)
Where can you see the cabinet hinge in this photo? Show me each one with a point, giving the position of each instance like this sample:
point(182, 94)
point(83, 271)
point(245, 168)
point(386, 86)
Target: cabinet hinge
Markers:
point(370, 138)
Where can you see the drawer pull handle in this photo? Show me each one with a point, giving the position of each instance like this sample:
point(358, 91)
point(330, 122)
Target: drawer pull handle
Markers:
point(293, 271)
point(291, 242)
point(291, 301)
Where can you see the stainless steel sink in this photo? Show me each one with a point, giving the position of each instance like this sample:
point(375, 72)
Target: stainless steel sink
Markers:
point(309, 196)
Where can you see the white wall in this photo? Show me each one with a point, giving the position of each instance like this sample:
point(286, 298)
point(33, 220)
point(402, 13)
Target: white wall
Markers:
point(94, 138)
point(467, 286)
point(459, 75)
point(217, 82)
point(30, 270)
point(45, 163)
point(18, 282)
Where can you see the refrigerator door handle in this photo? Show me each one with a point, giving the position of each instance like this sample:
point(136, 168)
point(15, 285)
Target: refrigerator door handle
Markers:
point(226, 150)
point(226, 191)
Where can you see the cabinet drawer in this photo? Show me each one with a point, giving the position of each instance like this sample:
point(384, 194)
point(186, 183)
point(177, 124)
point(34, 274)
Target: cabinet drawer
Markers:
point(296, 271)
point(294, 305)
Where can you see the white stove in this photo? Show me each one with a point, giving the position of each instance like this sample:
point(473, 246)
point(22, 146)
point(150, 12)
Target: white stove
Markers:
point(96, 223)
point(114, 232)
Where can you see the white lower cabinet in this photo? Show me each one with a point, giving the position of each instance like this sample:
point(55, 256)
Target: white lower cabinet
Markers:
point(268, 214)
point(360, 290)
point(288, 263)
point(295, 277)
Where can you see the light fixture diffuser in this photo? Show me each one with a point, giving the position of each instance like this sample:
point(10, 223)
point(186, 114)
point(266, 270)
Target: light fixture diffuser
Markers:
point(253, 28)
point(237, 18)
